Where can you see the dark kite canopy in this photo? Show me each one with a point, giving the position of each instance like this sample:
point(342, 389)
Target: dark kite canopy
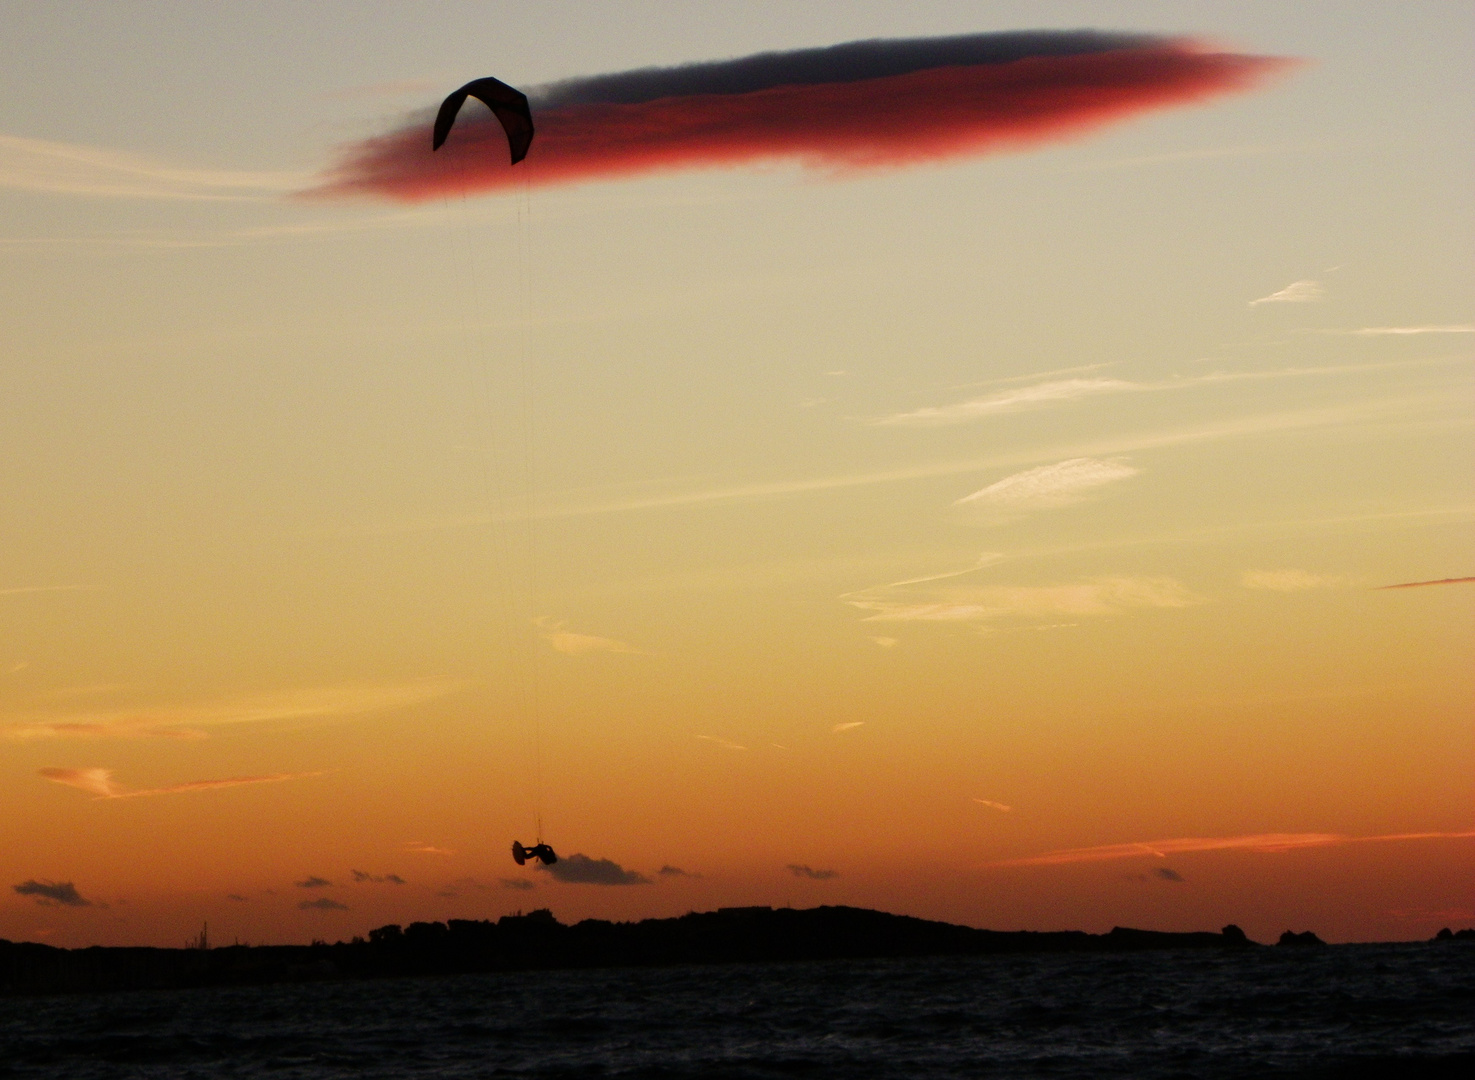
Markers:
point(508, 105)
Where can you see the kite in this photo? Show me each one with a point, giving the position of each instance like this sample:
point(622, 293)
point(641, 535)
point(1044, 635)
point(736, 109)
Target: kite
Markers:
point(509, 106)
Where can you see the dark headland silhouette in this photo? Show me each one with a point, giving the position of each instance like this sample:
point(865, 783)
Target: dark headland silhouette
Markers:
point(537, 940)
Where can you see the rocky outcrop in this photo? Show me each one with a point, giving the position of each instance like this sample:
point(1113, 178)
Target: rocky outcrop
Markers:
point(1304, 940)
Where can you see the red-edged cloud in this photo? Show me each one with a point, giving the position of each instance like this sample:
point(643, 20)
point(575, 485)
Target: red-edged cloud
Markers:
point(1421, 584)
point(931, 103)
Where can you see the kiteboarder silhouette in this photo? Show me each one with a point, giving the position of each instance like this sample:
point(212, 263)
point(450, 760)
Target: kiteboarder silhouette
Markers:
point(540, 851)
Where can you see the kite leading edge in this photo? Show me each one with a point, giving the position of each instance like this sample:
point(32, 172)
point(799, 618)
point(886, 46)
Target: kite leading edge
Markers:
point(508, 105)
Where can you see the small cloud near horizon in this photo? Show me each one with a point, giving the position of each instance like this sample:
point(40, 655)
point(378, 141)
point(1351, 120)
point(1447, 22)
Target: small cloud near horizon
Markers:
point(94, 781)
point(521, 884)
point(994, 805)
point(237, 897)
point(572, 644)
point(675, 872)
point(322, 903)
point(428, 849)
point(377, 879)
point(1297, 292)
point(52, 893)
point(312, 881)
point(804, 871)
point(582, 870)
point(1169, 875)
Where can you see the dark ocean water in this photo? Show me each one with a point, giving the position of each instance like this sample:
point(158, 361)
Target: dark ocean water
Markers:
point(1345, 1011)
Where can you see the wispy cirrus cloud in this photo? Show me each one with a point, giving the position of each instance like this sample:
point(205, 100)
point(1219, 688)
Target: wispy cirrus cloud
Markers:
point(572, 644)
point(1054, 392)
point(721, 742)
point(72, 169)
point(99, 782)
point(902, 602)
point(1289, 580)
point(1047, 486)
point(840, 729)
point(1013, 399)
point(1410, 407)
point(22, 590)
point(994, 805)
point(193, 721)
point(1297, 292)
point(1265, 843)
point(1399, 331)
point(95, 781)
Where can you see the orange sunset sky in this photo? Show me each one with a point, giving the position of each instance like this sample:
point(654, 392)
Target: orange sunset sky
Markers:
point(1003, 539)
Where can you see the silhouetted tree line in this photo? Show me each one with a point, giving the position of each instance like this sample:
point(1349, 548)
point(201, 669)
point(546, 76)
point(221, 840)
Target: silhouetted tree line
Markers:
point(538, 940)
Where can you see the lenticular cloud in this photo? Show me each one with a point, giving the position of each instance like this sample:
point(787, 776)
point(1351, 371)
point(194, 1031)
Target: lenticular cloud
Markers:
point(862, 105)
